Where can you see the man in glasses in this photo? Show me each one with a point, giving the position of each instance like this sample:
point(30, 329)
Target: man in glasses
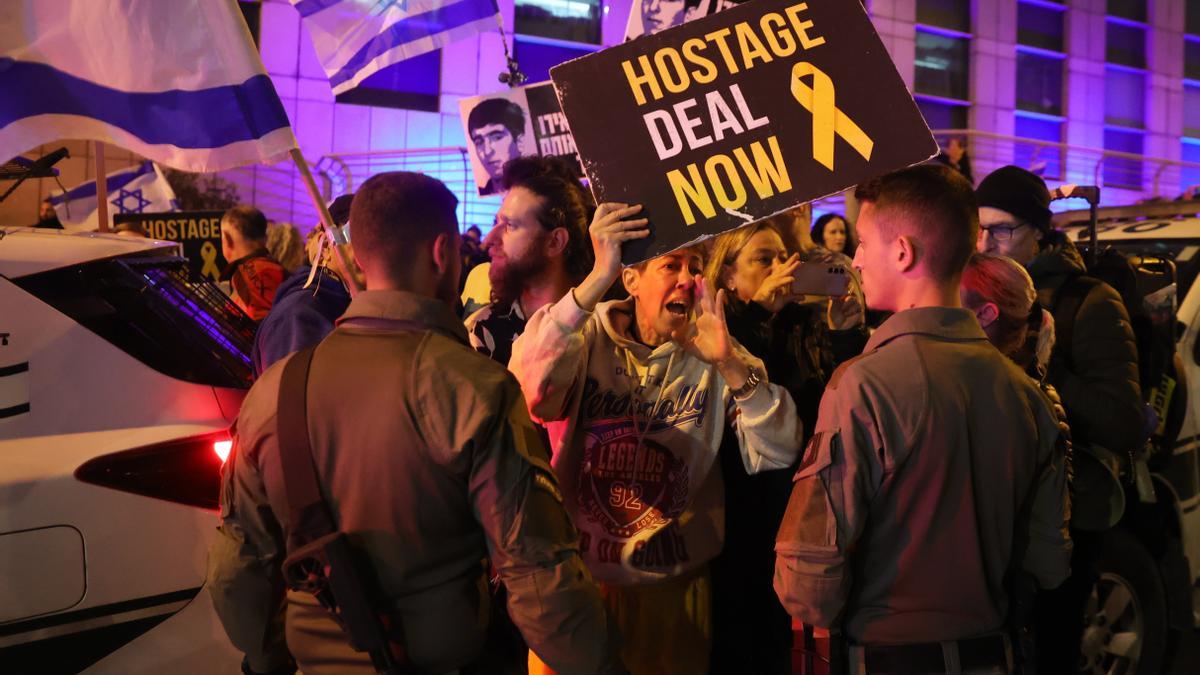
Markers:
point(1094, 364)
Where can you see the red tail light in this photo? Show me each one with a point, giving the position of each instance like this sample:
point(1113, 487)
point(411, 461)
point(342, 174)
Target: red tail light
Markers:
point(184, 471)
point(222, 449)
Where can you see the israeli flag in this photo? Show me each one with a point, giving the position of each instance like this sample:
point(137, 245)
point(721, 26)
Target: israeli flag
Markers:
point(355, 38)
point(142, 189)
point(178, 82)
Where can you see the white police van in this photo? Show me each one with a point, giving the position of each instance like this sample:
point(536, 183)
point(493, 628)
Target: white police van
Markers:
point(119, 378)
point(1147, 597)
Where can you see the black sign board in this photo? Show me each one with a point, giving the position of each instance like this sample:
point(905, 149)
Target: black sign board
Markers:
point(198, 231)
point(734, 117)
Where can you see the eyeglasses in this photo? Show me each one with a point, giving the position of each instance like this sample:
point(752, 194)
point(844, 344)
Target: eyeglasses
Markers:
point(1001, 232)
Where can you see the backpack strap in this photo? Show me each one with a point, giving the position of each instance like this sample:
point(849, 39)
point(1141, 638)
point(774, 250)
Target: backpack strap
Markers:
point(309, 518)
point(1065, 307)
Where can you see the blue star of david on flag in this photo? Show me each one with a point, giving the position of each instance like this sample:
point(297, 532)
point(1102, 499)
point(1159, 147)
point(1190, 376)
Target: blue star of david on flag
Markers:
point(124, 195)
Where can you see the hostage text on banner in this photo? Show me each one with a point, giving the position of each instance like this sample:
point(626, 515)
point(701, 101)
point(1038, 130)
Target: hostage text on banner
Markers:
point(198, 233)
point(734, 117)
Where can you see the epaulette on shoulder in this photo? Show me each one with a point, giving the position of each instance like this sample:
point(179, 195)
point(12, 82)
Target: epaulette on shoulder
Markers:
point(837, 373)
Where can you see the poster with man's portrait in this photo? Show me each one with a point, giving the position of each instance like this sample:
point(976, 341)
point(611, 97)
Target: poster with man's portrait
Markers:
point(498, 128)
point(647, 17)
point(515, 123)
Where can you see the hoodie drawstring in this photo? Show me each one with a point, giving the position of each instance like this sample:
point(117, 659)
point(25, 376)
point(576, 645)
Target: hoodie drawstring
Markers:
point(636, 404)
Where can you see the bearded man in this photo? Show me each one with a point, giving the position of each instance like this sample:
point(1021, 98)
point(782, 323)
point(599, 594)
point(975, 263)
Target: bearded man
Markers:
point(539, 249)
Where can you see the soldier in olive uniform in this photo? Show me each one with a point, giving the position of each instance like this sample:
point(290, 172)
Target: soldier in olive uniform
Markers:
point(932, 471)
point(428, 461)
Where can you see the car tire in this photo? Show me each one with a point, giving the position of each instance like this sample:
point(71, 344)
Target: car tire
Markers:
point(1125, 616)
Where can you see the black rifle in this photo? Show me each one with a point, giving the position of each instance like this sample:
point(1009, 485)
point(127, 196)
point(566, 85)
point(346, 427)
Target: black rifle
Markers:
point(320, 559)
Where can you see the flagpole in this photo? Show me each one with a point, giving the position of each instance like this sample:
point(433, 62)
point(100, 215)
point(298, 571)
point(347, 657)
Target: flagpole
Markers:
point(326, 219)
point(101, 187)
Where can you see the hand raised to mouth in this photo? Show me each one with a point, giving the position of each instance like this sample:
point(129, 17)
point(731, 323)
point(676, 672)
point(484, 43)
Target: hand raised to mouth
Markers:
point(708, 338)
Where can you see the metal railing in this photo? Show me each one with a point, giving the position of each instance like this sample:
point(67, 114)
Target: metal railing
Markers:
point(1126, 177)
point(278, 192)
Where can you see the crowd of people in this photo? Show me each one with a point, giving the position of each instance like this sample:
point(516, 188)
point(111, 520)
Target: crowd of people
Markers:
point(683, 465)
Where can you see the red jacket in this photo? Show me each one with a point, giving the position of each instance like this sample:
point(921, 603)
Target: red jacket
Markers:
point(254, 280)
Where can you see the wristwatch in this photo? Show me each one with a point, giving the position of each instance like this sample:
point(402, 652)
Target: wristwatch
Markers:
point(753, 377)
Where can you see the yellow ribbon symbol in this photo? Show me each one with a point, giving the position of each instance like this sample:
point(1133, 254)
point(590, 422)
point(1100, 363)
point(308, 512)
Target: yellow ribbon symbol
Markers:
point(209, 253)
point(828, 120)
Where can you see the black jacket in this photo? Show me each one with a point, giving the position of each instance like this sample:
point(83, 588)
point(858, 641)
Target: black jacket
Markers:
point(1097, 374)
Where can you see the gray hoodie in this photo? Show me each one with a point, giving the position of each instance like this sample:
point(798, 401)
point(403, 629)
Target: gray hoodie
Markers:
point(635, 432)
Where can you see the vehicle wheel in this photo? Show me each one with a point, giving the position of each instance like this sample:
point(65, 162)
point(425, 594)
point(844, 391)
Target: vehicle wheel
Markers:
point(1125, 618)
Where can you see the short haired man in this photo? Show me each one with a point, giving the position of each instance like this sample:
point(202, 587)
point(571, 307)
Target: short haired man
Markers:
point(47, 216)
point(539, 248)
point(1096, 370)
point(253, 275)
point(430, 463)
point(635, 395)
point(496, 127)
point(905, 516)
point(304, 313)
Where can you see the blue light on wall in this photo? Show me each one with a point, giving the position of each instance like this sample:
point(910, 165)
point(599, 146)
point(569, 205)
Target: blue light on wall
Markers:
point(1189, 177)
point(1044, 160)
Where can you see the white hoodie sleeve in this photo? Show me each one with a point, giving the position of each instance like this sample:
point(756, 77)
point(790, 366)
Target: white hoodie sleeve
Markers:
point(768, 427)
point(550, 357)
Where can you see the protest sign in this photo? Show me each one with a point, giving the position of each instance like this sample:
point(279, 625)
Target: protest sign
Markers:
point(734, 117)
point(199, 233)
point(515, 123)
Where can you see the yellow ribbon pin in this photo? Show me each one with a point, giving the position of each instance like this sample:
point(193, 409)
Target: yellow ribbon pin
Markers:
point(208, 252)
point(828, 119)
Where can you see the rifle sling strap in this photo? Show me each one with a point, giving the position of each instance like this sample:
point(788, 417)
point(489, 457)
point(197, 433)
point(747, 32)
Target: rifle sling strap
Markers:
point(309, 517)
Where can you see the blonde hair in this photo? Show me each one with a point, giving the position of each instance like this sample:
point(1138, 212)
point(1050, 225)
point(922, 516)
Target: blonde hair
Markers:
point(285, 245)
point(726, 247)
point(1005, 283)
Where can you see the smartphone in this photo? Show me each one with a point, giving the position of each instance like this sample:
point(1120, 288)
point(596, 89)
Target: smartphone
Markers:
point(820, 279)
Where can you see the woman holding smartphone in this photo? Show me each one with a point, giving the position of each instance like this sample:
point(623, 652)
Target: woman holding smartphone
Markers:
point(771, 309)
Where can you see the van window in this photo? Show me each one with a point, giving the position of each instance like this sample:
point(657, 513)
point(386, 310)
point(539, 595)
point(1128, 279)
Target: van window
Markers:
point(153, 309)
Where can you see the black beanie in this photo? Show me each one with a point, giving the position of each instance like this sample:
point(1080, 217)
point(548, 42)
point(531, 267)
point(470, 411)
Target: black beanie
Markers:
point(339, 209)
point(1019, 192)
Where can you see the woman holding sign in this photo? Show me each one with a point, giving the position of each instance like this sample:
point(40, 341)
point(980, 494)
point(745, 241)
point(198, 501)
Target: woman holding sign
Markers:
point(776, 308)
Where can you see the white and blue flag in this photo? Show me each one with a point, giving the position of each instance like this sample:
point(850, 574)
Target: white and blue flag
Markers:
point(178, 82)
point(140, 189)
point(356, 38)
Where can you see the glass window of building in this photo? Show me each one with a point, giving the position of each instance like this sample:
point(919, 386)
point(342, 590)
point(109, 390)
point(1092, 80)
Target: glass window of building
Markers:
point(1192, 22)
point(941, 65)
point(1125, 44)
point(570, 20)
point(1191, 57)
point(1040, 83)
point(1134, 10)
point(943, 114)
point(952, 14)
point(1040, 154)
point(1123, 172)
point(1040, 26)
point(1189, 177)
point(538, 56)
point(1191, 110)
point(1124, 98)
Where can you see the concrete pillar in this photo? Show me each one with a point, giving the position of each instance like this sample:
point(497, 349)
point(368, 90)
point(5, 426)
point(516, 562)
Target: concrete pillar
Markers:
point(1164, 102)
point(993, 70)
point(1084, 101)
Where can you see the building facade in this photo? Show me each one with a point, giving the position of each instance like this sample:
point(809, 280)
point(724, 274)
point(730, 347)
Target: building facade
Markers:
point(1100, 92)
